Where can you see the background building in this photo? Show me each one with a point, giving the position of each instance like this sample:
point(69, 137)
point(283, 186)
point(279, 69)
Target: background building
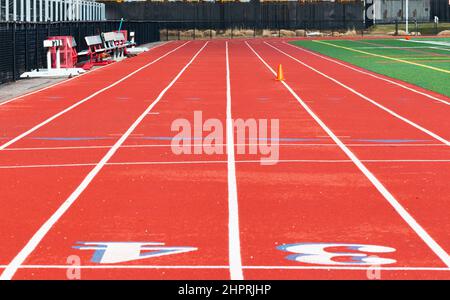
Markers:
point(51, 10)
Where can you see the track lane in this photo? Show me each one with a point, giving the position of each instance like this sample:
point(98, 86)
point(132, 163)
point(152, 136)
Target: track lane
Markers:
point(420, 109)
point(106, 114)
point(21, 113)
point(182, 205)
point(355, 119)
point(318, 202)
point(79, 102)
point(36, 195)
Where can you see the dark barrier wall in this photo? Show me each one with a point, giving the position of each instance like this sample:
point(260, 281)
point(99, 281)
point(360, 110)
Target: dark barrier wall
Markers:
point(22, 43)
point(441, 9)
point(287, 15)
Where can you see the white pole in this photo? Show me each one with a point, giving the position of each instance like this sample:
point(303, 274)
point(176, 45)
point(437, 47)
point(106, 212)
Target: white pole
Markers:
point(15, 10)
point(57, 16)
point(34, 10)
point(41, 12)
point(22, 13)
point(28, 10)
point(46, 11)
point(374, 11)
point(7, 10)
point(407, 15)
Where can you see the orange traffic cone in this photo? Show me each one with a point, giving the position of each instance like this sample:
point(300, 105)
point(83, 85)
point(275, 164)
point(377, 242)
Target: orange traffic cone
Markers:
point(280, 76)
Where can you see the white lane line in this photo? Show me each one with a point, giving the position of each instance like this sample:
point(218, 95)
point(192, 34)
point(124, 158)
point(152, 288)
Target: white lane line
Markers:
point(371, 74)
point(439, 43)
point(417, 126)
point(50, 119)
point(236, 144)
point(18, 260)
point(349, 268)
point(437, 48)
point(65, 81)
point(420, 231)
point(130, 163)
point(234, 243)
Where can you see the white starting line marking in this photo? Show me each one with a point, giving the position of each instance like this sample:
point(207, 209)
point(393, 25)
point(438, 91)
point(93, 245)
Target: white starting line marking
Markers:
point(344, 268)
point(225, 161)
point(247, 144)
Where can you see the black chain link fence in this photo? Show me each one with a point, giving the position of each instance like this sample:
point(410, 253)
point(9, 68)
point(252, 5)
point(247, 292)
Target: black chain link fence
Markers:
point(22, 43)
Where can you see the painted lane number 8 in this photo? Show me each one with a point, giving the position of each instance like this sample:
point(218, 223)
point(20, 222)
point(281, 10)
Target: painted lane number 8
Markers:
point(353, 254)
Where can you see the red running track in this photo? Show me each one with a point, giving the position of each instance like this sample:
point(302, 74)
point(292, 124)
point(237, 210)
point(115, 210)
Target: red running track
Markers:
point(114, 149)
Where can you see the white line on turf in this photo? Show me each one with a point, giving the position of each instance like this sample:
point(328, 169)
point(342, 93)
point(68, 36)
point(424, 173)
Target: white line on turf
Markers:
point(18, 260)
point(50, 119)
point(437, 48)
point(349, 268)
point(420, 231)
point(415, 125)
point(67, 80)
point(234, 243)
point(129, 163)
point(371, 74)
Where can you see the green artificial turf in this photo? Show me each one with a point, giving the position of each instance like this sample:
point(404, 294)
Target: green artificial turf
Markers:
point(423, 53)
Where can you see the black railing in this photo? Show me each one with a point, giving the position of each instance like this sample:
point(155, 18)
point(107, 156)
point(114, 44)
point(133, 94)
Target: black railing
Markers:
point(179, 30)
point(398, 27)
point(22, 43)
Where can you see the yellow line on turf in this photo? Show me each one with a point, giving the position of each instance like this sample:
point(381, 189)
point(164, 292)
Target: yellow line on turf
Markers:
point(386, 57)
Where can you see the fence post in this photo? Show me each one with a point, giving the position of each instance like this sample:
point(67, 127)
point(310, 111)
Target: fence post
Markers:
point(36, 50)
point(14, 27)
point(396, 27)
point(26, 45)
point(79, 34)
